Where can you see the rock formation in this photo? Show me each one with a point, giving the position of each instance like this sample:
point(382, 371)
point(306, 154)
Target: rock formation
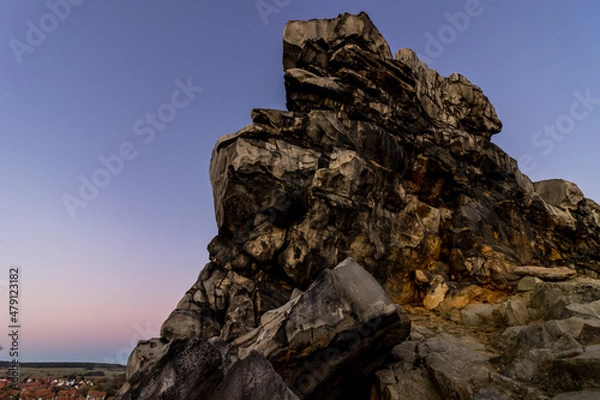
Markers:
point(380, 187)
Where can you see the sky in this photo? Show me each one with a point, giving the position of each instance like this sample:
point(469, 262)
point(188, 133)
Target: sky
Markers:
point(109, 111)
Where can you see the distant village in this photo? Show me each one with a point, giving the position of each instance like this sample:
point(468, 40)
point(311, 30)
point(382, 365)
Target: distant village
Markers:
point(52, 388)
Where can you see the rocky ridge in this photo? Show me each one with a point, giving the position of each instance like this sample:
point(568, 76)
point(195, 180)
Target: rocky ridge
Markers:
point(375, 202)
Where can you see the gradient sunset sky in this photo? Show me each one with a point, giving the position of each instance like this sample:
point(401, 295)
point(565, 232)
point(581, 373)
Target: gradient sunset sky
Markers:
point(102, 272)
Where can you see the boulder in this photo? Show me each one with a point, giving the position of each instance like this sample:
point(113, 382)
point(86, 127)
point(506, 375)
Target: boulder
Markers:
point(559, 193)
point(577, 372)
point(324, 334)
point(515, 312)
point(157, 370)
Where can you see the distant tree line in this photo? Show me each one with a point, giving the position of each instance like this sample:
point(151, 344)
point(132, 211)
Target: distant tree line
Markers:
point(88, 366)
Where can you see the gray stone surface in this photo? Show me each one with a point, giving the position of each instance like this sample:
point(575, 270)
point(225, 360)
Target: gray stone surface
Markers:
point(515, 312)
point(398, 384)
point(434, 365)
point(578, 372)
point(479, 314)
point(560, 193)
point(528, 283)
point(189, 369)
point(343, 319)
point(550, 300)
point(580, 395)
point(252, 378)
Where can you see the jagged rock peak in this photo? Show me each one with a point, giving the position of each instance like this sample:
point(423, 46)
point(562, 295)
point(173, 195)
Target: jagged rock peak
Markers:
point(334, 33)
point(345, 64)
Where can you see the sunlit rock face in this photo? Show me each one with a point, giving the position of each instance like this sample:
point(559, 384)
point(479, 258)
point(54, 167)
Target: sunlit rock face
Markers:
point(382, 162)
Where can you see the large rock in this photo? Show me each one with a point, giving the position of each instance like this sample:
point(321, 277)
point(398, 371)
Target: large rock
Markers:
point(559, 193)
point(386, 161)
point(195, 369)
point(336, 331)
point(326, 340)
point(383, 160)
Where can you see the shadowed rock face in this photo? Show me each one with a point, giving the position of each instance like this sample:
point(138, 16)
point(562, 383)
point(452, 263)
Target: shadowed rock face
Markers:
point(320, 343)
point(385, 161)
point(332, 333)
point(193, 369)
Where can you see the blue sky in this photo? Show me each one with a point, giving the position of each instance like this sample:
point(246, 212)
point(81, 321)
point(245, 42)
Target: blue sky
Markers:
point(97, 278)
